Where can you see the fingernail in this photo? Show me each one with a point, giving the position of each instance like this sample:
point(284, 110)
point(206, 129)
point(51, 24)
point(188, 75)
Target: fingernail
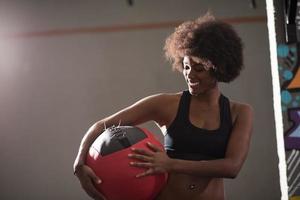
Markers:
point(131, 163)
point(132, 148)
point(129, 155)
point(99, 181)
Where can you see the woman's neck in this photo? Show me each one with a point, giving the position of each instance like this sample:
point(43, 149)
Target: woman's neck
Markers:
point(209, 97)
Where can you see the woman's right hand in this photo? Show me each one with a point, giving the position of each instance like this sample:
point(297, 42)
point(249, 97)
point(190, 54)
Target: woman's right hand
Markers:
point(88, 179)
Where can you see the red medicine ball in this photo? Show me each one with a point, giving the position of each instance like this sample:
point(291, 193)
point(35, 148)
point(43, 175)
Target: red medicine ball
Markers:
point(108, 157)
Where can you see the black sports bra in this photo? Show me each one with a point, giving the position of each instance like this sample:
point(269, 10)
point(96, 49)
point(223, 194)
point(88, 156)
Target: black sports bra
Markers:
point(183, 140)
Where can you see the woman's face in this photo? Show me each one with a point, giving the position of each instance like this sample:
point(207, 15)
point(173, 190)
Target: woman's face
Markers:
point(197, 75)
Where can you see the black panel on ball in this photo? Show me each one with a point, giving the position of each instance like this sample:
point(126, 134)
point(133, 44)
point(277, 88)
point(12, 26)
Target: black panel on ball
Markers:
point(114, 139)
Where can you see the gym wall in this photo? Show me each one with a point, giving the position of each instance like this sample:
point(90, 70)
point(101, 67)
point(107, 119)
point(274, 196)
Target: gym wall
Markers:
point(66, 64)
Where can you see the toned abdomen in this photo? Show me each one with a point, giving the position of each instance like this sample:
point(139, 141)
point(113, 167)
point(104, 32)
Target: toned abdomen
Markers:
point(181, 186)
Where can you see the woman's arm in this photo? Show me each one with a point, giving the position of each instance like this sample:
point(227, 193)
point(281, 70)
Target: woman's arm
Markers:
point(228, 167)
point(142, 111)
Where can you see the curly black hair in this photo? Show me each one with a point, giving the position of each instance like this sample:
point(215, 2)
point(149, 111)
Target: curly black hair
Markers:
point(209, 39)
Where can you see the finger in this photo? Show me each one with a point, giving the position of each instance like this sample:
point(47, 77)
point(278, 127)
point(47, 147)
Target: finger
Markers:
point(94, 177)
point(141, 157)
point(141, 164)
point(142, 151)
point(101, 197)
point(154, 147)
point(89, 173)
point(90, 187)
point(91, 190)
point(146, 173)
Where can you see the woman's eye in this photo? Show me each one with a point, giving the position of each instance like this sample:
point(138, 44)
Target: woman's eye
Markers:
point(199, 68)
point(196, 68)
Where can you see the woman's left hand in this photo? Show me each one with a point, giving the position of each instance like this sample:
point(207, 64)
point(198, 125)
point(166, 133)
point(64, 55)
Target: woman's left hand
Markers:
point(156, 161)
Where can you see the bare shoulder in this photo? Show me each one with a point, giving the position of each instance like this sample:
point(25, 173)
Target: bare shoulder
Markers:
point(165, 106)
point(158, 103)
point(168, 95)
point(239, 109)
point(150, 108)
point(164, 98)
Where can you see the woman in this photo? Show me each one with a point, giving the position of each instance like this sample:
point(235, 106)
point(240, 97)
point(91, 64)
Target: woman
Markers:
point(207, 136)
